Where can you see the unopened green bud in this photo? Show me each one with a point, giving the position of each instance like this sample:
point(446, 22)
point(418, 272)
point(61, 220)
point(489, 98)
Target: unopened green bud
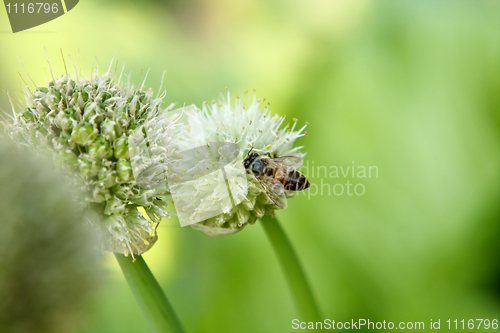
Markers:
point(121, 148)
point(64, 121)
point(132, 127)
point(71, 112)
point(141, 199)
point(40, 136)
point(80, 98)
point(100, 148)
point(68, 159)
point(99, 197)
point(107, 178)
point(134, 105)
point(89, 167)
point(114, 206)
point(100, 194)
point(105, 96)
point(109, 129)
point(124, 170)
point(53, 98)
point(28, 115)
point(111, 222)
point(83, 134)
point(93, 112)
point(120, 191)
point(64, 142)
point(85, 167)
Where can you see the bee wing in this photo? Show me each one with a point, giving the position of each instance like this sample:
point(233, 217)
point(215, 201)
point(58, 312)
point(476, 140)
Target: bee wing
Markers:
point(291, 161)
point(274, 190)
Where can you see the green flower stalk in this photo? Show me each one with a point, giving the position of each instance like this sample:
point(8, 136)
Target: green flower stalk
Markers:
point(232, 130)
point(93, 129)
point(48, 263)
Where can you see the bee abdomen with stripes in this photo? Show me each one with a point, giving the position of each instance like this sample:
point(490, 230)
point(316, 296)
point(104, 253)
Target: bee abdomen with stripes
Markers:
point(291, 179)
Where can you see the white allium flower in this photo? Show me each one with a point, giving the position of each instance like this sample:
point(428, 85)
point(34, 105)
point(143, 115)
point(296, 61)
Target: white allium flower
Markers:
point(246, 125)
point(96, 130)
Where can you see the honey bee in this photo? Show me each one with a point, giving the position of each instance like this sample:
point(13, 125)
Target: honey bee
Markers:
point(276, 174)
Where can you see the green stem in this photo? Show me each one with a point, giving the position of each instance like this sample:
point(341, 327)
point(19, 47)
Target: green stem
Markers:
point(152, 302)
point(292, 269)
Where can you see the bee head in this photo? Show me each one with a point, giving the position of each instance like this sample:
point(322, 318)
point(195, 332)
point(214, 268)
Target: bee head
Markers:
point(249, 159)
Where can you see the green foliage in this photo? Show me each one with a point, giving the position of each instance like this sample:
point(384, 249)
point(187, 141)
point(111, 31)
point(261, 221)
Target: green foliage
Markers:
point(48, 261)
point(408, 87)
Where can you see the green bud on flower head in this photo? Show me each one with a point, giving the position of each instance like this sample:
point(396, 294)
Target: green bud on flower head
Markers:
point(68, 159)
point(83, 134)
point(107, 178)
point(94, 113)
point(124, 170)
point(105, 96)
point(109, 129)
point(53, 98)
point(79, 99)
point(41, 136)
point(63, 141)
point(85, 125)
point(99, 194)
point(141, 199)
point(120, 192)
point(64, 120)
point(121, 148)
point(100, 148)
point(115, 206)
point(86, 166)
point(89, 167)
point(28, 116)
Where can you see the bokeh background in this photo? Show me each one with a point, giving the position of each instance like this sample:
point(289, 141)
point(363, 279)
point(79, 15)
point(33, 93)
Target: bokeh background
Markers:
point(410, 87)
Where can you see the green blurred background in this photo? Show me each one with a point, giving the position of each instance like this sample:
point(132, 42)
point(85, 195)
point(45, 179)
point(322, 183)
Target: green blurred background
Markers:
point(409, 87)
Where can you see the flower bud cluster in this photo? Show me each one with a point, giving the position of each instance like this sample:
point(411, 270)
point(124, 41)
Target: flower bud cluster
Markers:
point(89, 127)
